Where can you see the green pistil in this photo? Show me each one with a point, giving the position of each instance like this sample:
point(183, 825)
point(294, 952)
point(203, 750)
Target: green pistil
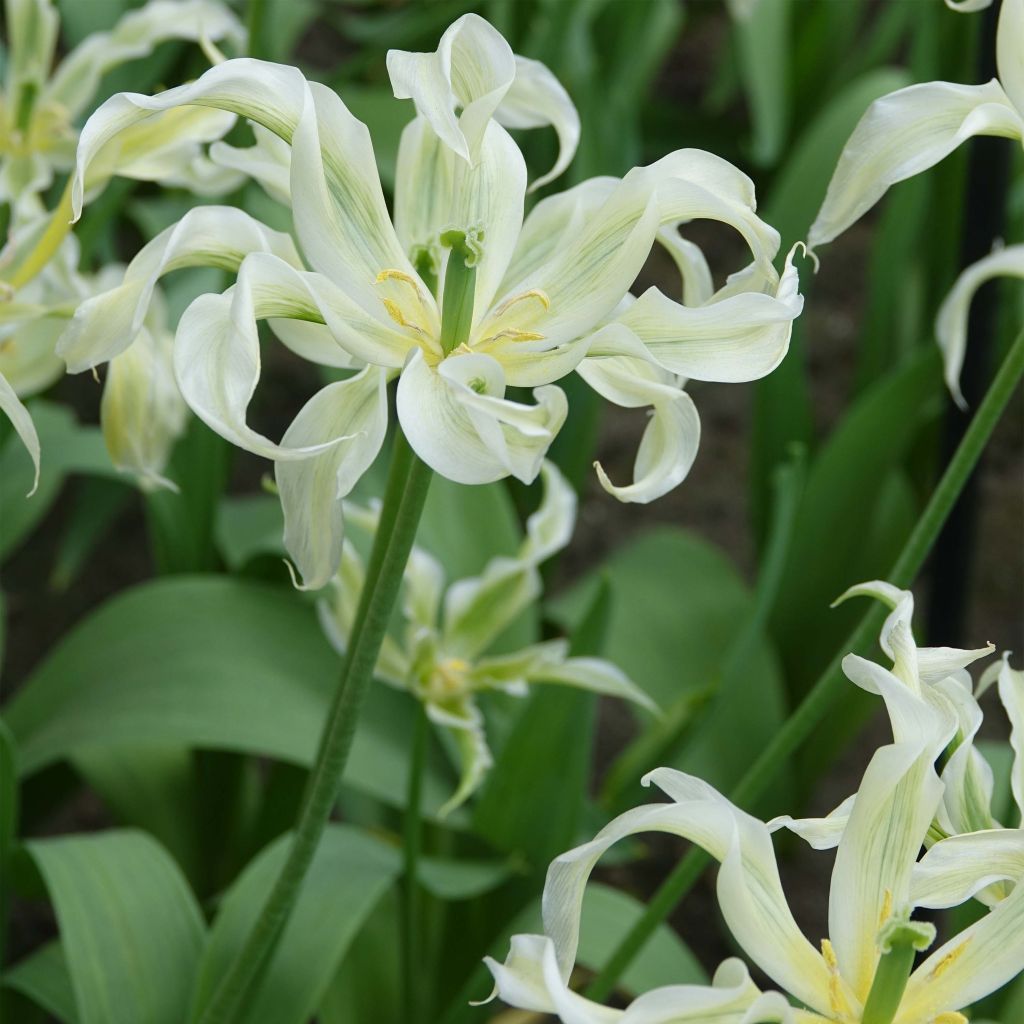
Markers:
point(459, 288)
point(900, 941)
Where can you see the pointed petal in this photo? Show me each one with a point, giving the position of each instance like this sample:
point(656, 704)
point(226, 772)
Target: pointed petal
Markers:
point(819, 833)
point(903, 134)
point(354, 413)
point(1009, 52)
point(549, 528)
point(137, 34)
point(472, 68)
point(268, 162)
point(475, 436)
point(463, 719)
point(423, 589)
point(749, 891)
point(951, 322)
point(219, 236)
point(32, 29)
point(512, 673)
point(957, 868)
point(1011, 693)
point(595, 675)
point(11, 407)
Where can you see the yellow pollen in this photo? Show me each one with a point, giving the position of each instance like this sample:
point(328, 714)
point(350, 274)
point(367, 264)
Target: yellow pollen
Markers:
point(829, 954)
point(886, 908)
point(513, 335)
point(398, 275)
point(395, 312)
point(948, 960)
point(950, 1017)
point(533, 293)
point(837, 999)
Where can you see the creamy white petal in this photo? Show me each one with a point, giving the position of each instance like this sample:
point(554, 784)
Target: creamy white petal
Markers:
point(1010, 51)
point(903, 134)
point(27, 357)
point(459, 422)
point(137, 34)
point(749, 891)
point(351, 416)
point(951, 322)
point(1011, 693)
point(11, 407)
point(698, 285)
point(968, 6)
point(472, 68)
point(218, 236)
point(268, 161)
point(549, 529)
point(536, 99)
point(957, 868)
point(819, 833)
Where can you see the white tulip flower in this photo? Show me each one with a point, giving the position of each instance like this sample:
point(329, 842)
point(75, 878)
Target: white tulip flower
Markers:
point(440, 654)
point(459, 296)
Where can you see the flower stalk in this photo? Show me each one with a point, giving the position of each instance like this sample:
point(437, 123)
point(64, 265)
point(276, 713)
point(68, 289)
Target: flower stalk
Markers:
point(820, 698)
point(412, 840)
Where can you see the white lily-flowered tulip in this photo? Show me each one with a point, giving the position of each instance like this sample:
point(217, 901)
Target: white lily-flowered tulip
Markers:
point(440, 655)
point(864, 972)
point(460, 297)
point(40, 104)
point(912, 129)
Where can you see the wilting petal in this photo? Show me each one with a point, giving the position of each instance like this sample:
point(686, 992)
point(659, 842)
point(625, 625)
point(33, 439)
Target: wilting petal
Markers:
point(459, 422)
point(670, 441)
point(472, 68)
point(891, 814)
point(819, 833)
point(549, 528)
point(743, 337)
point(435, 190)
point(137, 34)
point(1010, 52)
point(536, 99)
point(12, 408)
point(698, 285)
point(956, 869)
point(352, 417)
point(903, 134)
point(142, 412)
point(268, 161)
point(463, 719)
point(218, 236)
point(951, 322)
point(749, 891)
point(989, 953)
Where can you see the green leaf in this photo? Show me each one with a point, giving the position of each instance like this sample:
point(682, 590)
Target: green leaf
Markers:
point(451, 880)
point(130, 927)
point(97, 504)
point(349, 873)
point(206, 661)
point(43, 978)
point(763, 42)
point(8, 824)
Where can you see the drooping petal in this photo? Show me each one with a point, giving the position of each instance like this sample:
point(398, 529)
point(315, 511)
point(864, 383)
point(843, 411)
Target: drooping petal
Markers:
point(549, 528)
point(819, 833)
point(593, 674)
point(743, 337)
point(951, 322)
point(142, 412)
point(218, 236)
point(537, 99)
point(351, 416)
point(903, 134)
point(984, 956)
point(1011, 693)
point(268, 161)
point(749, 891)
point(464, 721)
point(1010, 52)
point(459, 422)
point(11, 407)
point(137, 34)
point(27, 357)
point(698, 285)
point(472, 68)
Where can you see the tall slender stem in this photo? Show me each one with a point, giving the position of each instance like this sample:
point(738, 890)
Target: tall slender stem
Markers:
point(818, 700)
point(412, 837)
point(404, 497)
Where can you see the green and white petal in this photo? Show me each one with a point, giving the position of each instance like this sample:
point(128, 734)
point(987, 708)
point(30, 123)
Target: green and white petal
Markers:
point(891, 814)
point(549, 529)
point(137, 34)
point(142, 412)
point(749, 891)
point(1010, 52)
point(819, 833)
point(351, 417)
point(27, 358)
point(903, 134)
point(512, 673)
point(473, 68)
point(1011, 693)
point(459, 422)
point(698, 284)
point(11, 407)
point(462, 718)
point(535, 100)
point(984, 956)
point(595, 675)
point(740, 338)
point(951, 322)
point(32, 30)
point(268, 161)
point(672, 436)
point(217, 236)
point(423, 588)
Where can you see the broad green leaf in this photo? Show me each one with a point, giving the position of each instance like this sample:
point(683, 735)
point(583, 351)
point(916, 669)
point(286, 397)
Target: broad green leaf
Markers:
point(9, 798)
point(450, 879)
point(130, 927)
point(677, 608)
point(43, 978)
point(350, 872)
point(208, 662)
point(97, 504)
point(763, 43)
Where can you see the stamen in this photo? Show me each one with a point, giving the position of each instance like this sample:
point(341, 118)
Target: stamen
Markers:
point(950, 1017)
point(886, 912)
point(398, 275)
point(948, 960)
point(533, 293)
point(395, 312)
point(899, 940)
point(515, 335)
point(837, 999)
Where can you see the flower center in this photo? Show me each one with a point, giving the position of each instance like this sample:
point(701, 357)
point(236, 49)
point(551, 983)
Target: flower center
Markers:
point(459, 287)
point(899, 939)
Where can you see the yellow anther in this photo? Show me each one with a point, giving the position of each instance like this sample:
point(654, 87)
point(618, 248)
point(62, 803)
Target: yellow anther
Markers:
point(398, 275)
point(836, 997)
point(948, 960)
point(829, 954)
point(513, 335)
point(886, 908)
point(395, 312)
point(950, 1017)
point(533, 293)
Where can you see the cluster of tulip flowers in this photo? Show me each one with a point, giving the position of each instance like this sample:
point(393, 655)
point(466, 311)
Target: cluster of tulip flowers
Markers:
point(456, 297)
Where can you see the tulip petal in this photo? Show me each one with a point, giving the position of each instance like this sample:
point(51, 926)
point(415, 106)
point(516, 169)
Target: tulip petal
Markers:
point(819, 833)
point(351, 416)
point(1011, 693)
point(957, 868)
point(749, 891)
point(951, 322)
point(462, 718)
point(11, 407)
point(903, 134)
point(1010, 52)
point(221, 236)
point(459, 422)
point(268, 162)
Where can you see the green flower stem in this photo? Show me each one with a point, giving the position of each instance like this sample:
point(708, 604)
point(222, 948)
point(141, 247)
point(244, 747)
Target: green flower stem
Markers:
point(412, 835)
point(820, 698)
point(404, 497)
